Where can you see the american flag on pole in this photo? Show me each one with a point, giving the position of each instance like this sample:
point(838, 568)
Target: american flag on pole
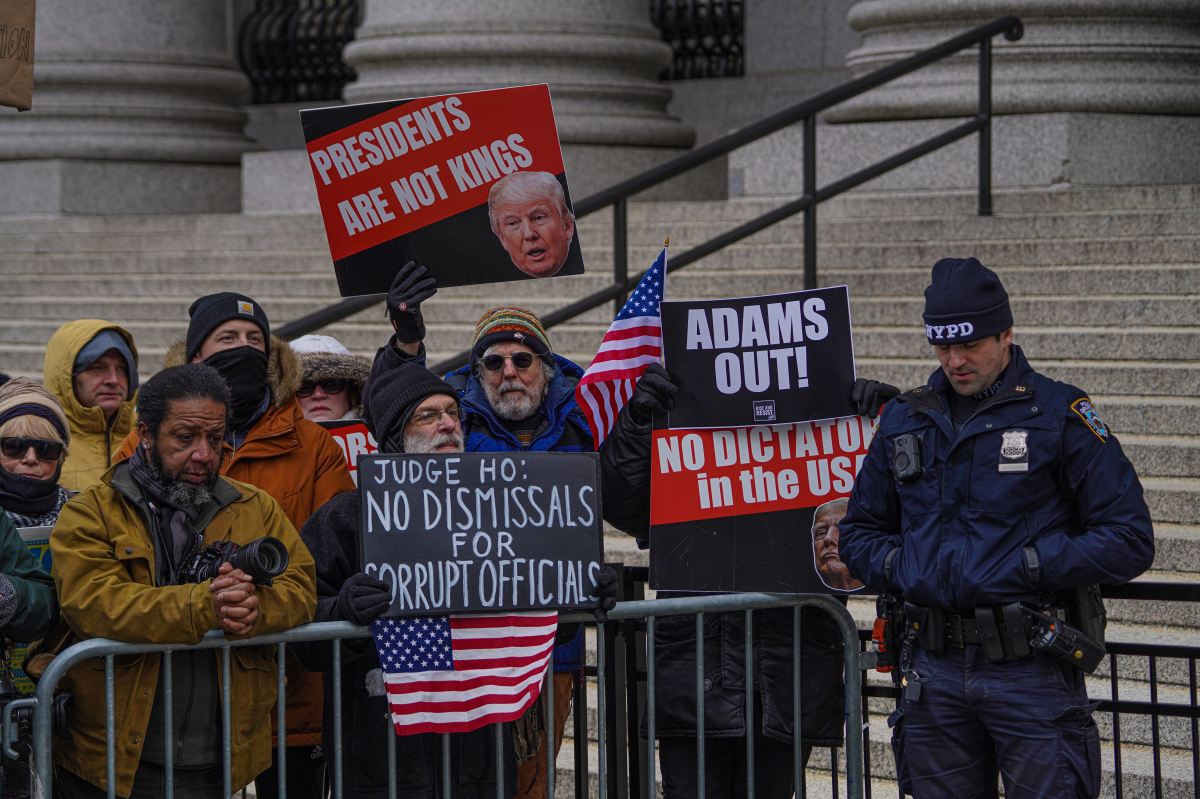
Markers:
point(633, 342)
point(460, 673)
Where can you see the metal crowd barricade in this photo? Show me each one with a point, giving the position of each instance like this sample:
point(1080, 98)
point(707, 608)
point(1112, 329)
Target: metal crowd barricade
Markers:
point(611, 742)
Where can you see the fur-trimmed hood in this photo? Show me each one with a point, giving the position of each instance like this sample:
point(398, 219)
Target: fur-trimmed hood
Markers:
point(318, 366)
point(284, 369)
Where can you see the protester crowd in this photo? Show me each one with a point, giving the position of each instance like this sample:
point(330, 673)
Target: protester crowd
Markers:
point(141, 481)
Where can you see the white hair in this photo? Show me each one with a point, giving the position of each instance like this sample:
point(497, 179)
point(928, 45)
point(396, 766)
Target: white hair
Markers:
point(526, 187)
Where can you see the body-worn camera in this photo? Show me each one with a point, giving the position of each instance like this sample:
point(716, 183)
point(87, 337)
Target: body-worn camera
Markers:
point(906, 457)
point(263, 559)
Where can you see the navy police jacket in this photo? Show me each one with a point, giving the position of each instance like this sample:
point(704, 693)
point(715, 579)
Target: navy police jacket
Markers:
point(1034, 467)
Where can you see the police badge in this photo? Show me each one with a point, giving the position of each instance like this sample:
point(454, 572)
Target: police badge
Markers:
point(1014, 451)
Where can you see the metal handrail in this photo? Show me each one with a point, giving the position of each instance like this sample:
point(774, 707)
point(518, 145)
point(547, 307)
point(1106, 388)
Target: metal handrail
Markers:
point(806, 111)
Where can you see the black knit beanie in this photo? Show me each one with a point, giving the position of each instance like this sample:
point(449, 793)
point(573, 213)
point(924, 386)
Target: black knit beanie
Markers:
point(964, 302)
point(207, 313)
point(391, 396)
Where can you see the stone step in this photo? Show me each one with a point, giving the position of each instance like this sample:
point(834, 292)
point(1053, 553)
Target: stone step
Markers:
point(1177, 615)
point(1177, 548)
point(1148, 415)
point(688, 283)
point(1161, 380)
point(263, 233)
point(862, 203)
point(1165, 456)
point(1173, 499)
point(1179, 345)
point(1080, 312)
point(963, 228)
point(833, 252)
point(1167, 346)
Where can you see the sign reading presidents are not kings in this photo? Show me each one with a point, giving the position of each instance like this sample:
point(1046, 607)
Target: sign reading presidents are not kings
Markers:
point(413, 179)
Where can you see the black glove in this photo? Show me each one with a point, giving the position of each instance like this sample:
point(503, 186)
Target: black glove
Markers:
point(868, 396)
point(363, 599)
point(606, 592)
point(411, 286)
point(655, 392)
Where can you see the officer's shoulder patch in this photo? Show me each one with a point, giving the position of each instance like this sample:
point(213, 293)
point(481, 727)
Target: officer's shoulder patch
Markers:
point(1086, 411)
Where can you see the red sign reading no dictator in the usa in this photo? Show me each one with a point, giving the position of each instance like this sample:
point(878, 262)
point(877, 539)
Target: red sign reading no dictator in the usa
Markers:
point(710, 474)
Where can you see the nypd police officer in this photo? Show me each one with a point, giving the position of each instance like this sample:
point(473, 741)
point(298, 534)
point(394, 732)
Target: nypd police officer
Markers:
point(991, 499)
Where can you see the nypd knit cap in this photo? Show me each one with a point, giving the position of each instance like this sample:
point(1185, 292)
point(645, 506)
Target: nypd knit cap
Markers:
point(508, 323)
point(208, 313)
point(964, 302)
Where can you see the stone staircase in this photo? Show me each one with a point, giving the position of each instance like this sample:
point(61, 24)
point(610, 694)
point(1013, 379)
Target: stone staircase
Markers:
point(1104, 284)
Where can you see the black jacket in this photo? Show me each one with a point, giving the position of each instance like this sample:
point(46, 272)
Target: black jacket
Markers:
point(331, 534)
point(625, 476)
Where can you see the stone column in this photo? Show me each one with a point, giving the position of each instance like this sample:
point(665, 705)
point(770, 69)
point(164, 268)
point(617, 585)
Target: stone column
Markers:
point(1077, 56)
point(135, 110)
point(1096, 92)
point(600, 57)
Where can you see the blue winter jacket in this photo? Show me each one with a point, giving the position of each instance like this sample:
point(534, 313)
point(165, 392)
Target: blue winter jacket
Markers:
point(1035, 466)
point(566, 430)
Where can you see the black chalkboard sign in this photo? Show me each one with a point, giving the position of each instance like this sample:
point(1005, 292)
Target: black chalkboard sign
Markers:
point(482, 532)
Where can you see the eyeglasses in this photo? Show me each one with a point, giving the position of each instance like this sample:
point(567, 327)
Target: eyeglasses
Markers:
point(17, 447)
point(495, 361)
point(333, 386)
point(430, 418)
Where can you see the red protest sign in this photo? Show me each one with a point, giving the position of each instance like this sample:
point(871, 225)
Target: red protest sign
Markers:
point(412, 179)
point(734, 508)
point(354, 439)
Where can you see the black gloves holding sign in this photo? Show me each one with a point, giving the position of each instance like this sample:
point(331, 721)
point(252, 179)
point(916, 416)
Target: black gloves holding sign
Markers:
point(655, 393)
point(363, 599)
point(869, 396)
point(412, 285)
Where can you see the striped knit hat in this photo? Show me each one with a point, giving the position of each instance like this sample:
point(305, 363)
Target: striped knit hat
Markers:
point(508, 323)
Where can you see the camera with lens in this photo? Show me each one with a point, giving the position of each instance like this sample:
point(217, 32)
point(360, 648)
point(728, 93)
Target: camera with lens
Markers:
point(263, 559)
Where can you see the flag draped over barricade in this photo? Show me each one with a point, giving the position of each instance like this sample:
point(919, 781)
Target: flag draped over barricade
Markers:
point(460, 673)
point(633, 342)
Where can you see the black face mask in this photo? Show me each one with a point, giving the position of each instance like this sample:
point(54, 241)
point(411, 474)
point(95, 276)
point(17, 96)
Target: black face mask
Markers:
point(27, 495)
point(245, 372)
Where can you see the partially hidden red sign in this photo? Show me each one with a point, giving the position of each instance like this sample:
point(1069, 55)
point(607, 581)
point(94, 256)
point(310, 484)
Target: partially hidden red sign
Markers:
point(711, 474)
point(354, 439)
point(389, 170)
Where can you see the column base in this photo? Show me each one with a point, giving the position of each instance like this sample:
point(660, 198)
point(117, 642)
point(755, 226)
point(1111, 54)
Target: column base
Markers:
point(1028, 150)
point(61, 186)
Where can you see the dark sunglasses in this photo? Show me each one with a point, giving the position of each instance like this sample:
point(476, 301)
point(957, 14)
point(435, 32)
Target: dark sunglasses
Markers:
point(495, 362)
point(17, 447)
point(328, 386)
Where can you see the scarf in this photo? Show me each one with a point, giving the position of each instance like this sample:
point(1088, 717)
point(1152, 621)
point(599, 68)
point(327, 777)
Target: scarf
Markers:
point(28, 496)
point(174, 528)
point(45, 518)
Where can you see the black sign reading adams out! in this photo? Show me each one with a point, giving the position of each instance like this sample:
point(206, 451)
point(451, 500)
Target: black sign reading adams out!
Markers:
point(482, 532)
point(776, 359)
